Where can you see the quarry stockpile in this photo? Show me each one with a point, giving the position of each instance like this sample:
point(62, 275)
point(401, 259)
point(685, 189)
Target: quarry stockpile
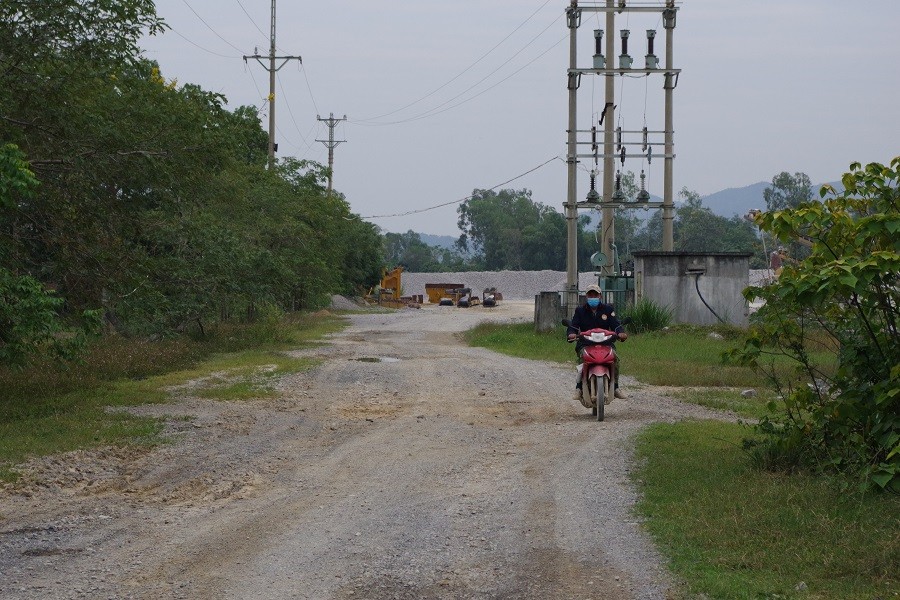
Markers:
point(514, 285)
point(518, 285)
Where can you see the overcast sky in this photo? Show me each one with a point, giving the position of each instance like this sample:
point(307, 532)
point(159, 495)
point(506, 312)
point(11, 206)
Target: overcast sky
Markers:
point(446, 97)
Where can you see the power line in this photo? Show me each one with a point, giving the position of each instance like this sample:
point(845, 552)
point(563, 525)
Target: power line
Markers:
point(309, 87)
point(461, 200)
point(193, 43)
point(251, 18)
point(434, 111)
point(291, 113)
point(208, 26)
point(463, 72)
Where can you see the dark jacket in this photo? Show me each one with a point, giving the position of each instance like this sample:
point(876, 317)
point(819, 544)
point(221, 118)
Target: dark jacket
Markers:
point(604, 317)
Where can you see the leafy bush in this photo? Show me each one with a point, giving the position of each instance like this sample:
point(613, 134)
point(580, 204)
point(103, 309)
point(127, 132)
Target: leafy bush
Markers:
point(647, 316)
point(846, 296)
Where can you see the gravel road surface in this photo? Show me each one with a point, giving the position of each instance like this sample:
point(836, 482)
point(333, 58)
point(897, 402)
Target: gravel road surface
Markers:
point(406, 466)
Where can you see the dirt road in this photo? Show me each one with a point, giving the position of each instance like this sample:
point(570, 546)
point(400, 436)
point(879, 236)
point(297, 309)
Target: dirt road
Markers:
point(406, 466)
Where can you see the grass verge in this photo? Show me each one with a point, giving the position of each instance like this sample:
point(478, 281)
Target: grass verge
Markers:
point(732, 532)
point(680, 357)
point(48, 408)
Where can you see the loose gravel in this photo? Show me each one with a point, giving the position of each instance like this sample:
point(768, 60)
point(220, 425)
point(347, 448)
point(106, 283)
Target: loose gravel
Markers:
point(406, 466)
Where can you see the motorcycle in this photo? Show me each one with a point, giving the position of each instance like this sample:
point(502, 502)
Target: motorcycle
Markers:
point(597, 369)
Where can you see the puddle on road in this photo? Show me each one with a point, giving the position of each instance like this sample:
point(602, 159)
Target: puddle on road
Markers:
point(374, 359)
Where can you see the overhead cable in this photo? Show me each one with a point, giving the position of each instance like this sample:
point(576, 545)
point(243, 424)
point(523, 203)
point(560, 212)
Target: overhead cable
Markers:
point(265, 35)
point(208, 26)
point(434, 111)
point(193, 43)
point(461, 73)
point(461, 200)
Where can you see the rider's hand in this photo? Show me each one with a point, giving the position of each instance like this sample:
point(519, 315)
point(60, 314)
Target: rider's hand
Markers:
point(571, 336)
point(622, 336)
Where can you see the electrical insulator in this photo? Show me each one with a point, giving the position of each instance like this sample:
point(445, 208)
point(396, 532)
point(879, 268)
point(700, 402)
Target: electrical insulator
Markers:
point(593, 196)
point(624, 59)
point(618, 196)
point(643, 195)
point(599, 59)
point(651, 58)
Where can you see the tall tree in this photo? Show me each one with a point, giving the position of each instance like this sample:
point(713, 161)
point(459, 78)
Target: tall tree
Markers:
point(508, 230)
point(788, 191)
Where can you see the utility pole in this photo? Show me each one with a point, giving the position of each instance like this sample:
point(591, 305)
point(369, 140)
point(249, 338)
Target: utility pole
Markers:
point(272, 69)
point(618, 143)
point(574, 79)
point(331, 144)
point(608, 212)
point(670, 82)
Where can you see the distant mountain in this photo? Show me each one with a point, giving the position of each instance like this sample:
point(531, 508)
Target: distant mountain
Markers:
point(441, 241)
point(737, 201)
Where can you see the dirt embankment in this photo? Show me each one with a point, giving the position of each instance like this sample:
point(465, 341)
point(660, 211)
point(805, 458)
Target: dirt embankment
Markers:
point(406, 466)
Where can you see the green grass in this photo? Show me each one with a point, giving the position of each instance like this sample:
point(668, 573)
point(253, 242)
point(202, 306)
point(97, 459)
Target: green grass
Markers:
point(659, 358)
point(727, 399)
point(49, 408)
point(681, 356)
point(732, 532)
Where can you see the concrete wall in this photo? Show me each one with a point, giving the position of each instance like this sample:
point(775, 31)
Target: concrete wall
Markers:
point(668, 279)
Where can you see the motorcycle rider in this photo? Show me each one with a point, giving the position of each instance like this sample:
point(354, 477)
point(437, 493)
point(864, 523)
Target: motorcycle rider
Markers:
point(593, 314)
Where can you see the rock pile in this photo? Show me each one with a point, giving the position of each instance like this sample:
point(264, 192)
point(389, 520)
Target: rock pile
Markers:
point(514, 285)
point(517, 285)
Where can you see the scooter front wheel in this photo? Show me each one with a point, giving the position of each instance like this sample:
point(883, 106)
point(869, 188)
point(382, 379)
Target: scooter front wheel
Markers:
point(598, 389)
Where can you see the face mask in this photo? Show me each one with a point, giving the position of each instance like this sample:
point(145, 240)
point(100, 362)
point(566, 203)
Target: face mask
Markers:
point(593, 302)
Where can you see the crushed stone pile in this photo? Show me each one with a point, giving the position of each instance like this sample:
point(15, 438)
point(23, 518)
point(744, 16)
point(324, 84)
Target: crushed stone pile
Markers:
point(514, 285)
point(342, 303)
point(519, 285)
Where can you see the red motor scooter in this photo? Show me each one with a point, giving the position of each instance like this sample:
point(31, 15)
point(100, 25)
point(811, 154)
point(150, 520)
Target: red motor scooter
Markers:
point(597, 369)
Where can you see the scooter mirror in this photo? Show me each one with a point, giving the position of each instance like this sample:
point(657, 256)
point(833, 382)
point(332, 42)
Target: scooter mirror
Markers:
point(627, 321)
point(565, 322)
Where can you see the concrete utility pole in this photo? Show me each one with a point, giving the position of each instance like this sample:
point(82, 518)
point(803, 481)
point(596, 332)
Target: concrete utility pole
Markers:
point(671, 79)
point(331, 144)
point(608, 212)
point(272, 69)
point(618, 143)
point(571, 296)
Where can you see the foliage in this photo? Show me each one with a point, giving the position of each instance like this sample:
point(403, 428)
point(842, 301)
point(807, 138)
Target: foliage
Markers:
point(155, 204)
point(507, 230)
point(29, 314)
point(843, 296)
point(789, 191)
point(408, 250)
point(647, 316)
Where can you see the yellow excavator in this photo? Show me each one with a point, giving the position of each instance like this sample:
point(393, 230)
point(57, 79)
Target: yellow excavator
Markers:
point(388, 291)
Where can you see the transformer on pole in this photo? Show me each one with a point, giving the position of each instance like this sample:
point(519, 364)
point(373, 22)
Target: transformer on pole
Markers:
point(618, 144)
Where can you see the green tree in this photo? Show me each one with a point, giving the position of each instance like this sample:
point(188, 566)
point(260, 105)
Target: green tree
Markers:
point(508, 230)
point(698, 229)
point(29, 314)
point(788, 191)
point(844, 295)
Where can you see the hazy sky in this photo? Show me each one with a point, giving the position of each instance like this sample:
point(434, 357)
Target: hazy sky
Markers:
point(446, 97)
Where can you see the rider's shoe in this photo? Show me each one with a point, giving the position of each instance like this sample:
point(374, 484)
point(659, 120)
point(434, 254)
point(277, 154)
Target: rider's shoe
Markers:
point(620, 394)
